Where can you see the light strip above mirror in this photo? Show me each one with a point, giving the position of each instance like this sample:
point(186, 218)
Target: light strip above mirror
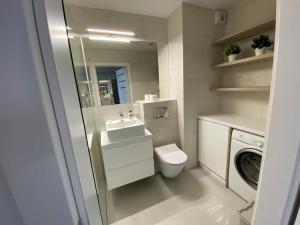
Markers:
point(103, 31)
point(114, 39)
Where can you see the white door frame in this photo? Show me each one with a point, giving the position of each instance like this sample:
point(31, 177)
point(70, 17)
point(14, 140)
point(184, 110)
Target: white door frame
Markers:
point(60, 75)
point(280, 175)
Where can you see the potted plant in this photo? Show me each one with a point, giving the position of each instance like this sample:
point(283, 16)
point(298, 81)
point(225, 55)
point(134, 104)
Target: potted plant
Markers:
point(260, 44)
point(232, 51)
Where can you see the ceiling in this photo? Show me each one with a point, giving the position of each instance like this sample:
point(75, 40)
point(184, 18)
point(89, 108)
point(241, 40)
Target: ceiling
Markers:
point(158, 8)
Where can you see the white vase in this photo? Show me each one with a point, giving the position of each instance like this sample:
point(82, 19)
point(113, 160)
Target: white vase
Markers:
point(260, 51)
point(232, 57)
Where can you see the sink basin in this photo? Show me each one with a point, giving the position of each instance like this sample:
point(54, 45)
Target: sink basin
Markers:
point(124, 128)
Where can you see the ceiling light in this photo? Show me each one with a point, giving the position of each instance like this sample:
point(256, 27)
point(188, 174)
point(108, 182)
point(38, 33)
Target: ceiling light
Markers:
point(125, 33)
point(115, 39)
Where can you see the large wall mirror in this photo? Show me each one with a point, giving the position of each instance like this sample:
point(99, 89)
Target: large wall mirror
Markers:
point(115, 71)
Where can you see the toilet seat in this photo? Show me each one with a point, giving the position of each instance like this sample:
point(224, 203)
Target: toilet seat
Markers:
point(171, 154)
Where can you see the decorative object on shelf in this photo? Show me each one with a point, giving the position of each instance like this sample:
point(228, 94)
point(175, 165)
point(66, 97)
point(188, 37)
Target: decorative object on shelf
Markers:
point(147, 97)
point(232, 52)
point(260, 44)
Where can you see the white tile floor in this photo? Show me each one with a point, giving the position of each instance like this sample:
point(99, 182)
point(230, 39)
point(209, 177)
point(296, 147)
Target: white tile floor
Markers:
point(193, 198)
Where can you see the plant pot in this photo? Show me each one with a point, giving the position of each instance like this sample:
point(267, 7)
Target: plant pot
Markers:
point(260, 51)
point(232, 57)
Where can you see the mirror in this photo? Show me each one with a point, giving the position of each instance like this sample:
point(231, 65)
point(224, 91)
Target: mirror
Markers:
point(115, 72)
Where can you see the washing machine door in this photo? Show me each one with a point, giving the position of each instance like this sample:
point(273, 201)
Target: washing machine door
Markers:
point(247, 163)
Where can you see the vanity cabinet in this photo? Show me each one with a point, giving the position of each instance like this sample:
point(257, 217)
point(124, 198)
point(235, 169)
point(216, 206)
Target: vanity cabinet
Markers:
point(127, 160)
point(213, 142)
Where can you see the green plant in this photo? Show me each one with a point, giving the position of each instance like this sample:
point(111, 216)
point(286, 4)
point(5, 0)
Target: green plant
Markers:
point(232, 49)
point(261, 41)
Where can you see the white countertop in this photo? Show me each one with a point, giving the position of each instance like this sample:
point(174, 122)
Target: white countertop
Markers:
point(235, 121)
point(158, 100)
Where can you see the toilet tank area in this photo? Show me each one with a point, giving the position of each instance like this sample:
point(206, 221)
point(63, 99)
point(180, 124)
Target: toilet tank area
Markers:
point(161, 119)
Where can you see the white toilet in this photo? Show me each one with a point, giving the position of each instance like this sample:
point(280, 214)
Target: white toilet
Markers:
point(171, 160)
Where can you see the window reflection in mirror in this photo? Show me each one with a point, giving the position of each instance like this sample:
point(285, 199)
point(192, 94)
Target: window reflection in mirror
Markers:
point(113, 85)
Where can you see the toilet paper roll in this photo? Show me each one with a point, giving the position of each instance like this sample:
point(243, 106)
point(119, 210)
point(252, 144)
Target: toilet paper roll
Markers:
point(147, 98)
point(153, 98)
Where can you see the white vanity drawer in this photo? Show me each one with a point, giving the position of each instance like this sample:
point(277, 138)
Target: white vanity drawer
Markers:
point(125, 155)
point(125, 175)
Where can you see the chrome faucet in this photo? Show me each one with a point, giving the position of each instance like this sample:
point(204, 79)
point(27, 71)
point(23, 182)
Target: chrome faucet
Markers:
point(130, 114)
point(121, 115)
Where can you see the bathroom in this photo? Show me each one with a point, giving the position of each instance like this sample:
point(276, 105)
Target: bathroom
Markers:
point(138, 112)
point(174, 84)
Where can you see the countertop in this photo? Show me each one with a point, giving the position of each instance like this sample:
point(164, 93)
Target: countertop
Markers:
point(235, 121)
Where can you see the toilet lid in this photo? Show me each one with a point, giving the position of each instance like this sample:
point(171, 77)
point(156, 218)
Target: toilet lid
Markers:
point(171, 154)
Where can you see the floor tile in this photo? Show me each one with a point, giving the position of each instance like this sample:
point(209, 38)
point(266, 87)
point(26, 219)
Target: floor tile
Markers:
point(195, 197)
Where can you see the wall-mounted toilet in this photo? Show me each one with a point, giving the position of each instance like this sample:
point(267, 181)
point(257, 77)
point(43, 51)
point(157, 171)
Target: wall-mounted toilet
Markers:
point(171, 160)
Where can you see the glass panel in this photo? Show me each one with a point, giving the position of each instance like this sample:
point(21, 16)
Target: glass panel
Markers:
point(248, 165)
point(86, 93)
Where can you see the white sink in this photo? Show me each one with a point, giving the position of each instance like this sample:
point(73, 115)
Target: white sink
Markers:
point(124, 129)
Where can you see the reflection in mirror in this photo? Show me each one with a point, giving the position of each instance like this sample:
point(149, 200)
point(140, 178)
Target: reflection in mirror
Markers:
point(113, 85)
point(115, 72)
point(115, 59)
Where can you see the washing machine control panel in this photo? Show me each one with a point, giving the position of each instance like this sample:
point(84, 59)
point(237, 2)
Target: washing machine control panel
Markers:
point(260, 144)
point(250, 139)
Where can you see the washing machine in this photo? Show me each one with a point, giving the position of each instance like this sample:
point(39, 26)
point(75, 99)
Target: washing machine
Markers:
point(245, 161)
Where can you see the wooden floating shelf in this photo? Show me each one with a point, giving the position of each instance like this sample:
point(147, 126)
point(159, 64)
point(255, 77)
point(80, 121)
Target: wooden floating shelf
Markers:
point(242, 89)
point(249, 60)
point(246, 33)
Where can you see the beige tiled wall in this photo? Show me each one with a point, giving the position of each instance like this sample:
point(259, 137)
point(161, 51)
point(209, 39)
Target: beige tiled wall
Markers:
point(199, 30)
point(191, 30)
point(164, 130)
point(176, 81)
point(244, 14)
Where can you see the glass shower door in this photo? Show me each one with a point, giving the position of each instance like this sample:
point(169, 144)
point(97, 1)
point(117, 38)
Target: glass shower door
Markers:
point(86, 91)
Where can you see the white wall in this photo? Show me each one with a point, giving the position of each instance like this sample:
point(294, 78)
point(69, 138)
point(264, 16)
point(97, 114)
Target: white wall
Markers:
point(280, 175)
point(9, 212)
point(31, 158)
point(143, 67)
